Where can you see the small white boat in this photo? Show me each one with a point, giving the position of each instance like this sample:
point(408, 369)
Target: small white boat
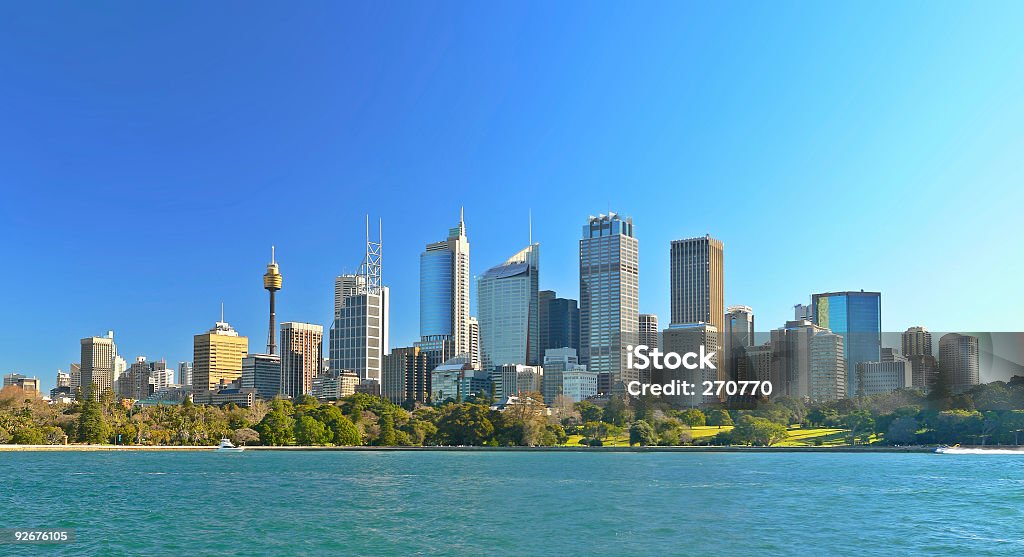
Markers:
point(957, 449)
point(226, 446)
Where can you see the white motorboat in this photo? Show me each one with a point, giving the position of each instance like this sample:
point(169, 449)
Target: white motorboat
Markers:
point(226, 446)
point(957, 449)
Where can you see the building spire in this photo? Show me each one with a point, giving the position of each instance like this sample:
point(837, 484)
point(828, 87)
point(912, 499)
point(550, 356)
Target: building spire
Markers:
point(222, 312)
point(272, 260)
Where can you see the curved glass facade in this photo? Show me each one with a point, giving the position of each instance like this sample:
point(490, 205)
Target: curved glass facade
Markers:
point(436, 293)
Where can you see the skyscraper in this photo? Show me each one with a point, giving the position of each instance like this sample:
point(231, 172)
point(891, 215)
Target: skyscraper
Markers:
point(959, 361)
point(648, 336)
point(609, 297)
point(97, 364)
point(262, 372)
point(301, 357)
point(737, 336)
point(559, 322)
point(359, 334)
point(917, 341)
point(185, 373)
point(406, 376)
point(507, 305)
point(272, 281)
point(648, 330)
point(857, 317)
point(444, 290)
point(683, 338)
point(217, 356)
point(474, 342)
point(696, 281)
point(827, 367)
point(791, 359)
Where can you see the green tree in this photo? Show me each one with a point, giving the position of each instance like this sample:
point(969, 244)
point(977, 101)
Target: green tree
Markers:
point(28, 434)
point(464, 424)
point(718, 417)
point(277, 427)
point(617, 412)
point(902, 431)
point(92, 426)
point(692, 417)
point(387, 436)
point(642, 433)
point(311, 431)
point(757, 431)
point(589, 412)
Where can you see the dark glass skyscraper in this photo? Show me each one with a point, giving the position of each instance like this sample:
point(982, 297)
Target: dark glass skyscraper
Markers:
point(559, 322)
point(857, 317)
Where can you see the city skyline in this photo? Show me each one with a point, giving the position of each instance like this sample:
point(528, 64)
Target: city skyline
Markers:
point(851, 123)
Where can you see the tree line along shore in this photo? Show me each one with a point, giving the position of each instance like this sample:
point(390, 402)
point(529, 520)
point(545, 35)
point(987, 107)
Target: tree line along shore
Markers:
point(990, 414)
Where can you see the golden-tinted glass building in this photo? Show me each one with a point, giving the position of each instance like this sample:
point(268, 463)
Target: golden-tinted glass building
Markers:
point(217, 357)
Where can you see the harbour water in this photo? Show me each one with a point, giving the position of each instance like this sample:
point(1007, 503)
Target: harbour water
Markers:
point(515, 503)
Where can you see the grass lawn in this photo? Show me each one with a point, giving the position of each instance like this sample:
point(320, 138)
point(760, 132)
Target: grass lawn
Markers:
point(796, 436)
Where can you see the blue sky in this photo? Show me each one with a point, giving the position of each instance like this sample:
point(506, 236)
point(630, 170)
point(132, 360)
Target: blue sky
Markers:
point(151, 153)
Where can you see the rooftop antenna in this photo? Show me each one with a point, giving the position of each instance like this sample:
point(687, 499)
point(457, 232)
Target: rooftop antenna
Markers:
point(272, 260)
point(530, 225)
point(222, 312)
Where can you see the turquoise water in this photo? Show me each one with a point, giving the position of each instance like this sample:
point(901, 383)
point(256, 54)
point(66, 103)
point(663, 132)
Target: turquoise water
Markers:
point(515, 503)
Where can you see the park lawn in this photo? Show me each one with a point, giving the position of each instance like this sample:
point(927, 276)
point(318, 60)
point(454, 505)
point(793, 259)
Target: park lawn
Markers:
point(796, 436)
point(810, 437)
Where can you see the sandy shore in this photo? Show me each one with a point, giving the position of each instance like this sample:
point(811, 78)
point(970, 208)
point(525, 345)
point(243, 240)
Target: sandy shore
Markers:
point(689, 449)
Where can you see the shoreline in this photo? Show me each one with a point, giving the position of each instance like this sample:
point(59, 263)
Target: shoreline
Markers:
point(581, 449)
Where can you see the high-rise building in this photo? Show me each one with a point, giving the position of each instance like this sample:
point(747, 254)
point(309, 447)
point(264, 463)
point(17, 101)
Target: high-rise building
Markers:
point(683, 338)
point(791, 358)
point(917, 341)
point(827, 370)
point(507, 306)
point(63, 379)
point(272, 281)
point(884, 376)
point(756, 365)
point(697, 283)
point(137, 382)
point(924, 371)
point(959, 361)
point(97, 364)
point(75, 371)
point(802, 312)
point(407, 376)
point(737, 336)
point(559, 322)
point(857, 317)
point(301, 357)
point(184, 373)
point(262, 372)
point(609, 298)
point(564, 375)
point(217, 356)
point(647, 336)
point(697, 287)
point(444, 290)
point(359, 334)
point(474, 341)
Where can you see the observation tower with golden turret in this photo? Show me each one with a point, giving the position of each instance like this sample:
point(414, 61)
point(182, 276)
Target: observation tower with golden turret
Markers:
point(272, 282)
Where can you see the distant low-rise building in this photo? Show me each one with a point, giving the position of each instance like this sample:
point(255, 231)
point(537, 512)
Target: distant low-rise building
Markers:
point(28, 384)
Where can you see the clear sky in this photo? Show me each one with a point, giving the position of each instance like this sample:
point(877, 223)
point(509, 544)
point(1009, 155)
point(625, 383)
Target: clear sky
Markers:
point(151, 153)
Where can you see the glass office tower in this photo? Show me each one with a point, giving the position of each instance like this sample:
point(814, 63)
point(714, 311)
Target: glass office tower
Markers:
point(609, 297)
point(507, 308)
point(857, 317)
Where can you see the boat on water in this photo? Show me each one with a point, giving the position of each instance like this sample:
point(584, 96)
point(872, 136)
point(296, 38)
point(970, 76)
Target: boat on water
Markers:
point(957, 449)
point(226, 446)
